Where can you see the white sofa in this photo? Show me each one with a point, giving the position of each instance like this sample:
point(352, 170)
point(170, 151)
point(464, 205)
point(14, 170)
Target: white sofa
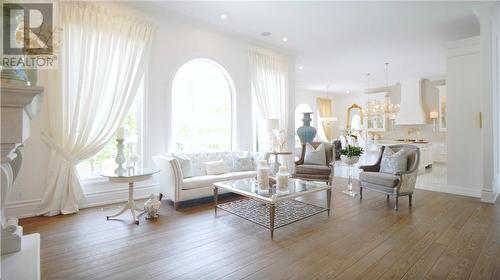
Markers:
point(178, 189)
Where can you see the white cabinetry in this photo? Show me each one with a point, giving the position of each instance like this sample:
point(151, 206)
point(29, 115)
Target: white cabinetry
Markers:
point(425, 155)
point(439, 152)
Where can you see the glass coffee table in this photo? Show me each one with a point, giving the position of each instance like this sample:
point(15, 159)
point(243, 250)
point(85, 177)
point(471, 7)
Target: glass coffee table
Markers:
point(272, 209)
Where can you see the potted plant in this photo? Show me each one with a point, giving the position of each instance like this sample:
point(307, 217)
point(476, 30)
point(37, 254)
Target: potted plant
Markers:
point(351, 154)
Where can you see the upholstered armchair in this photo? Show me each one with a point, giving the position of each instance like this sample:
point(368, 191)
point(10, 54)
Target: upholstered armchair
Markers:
point(399, 184)
point(310, 172)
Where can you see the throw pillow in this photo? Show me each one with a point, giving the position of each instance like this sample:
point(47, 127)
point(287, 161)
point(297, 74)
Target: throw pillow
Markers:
point(186, 166)
point(315, 156)
point(215, 167)
point(392, 162)
point(242, 164)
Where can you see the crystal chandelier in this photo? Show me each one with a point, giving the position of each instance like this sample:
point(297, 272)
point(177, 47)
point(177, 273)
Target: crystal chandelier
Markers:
point(377, 107)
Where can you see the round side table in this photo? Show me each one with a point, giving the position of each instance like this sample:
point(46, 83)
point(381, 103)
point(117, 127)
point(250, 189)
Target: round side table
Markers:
point(130, 176)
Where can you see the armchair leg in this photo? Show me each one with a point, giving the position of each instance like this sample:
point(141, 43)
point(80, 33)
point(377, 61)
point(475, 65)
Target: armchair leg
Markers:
point(360, 193)
point(396, 204)
point(410, 196)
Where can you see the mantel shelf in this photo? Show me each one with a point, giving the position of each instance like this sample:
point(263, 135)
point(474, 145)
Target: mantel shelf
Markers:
point(18, 95)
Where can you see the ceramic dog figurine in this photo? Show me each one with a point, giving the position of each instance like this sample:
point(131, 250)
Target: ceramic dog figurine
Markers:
point(152, 207)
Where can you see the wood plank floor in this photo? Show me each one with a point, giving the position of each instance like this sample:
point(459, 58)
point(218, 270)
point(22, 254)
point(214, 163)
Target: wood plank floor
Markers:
point(443, 237)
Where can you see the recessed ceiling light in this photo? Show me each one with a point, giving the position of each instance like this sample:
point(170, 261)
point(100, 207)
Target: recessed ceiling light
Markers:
point(223, 16)
point(265, 34)
point(284, 39)
point(347, 91)
point(300, 67)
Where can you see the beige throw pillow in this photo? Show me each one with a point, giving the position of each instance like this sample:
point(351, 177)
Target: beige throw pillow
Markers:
point(315, 156)
point(216, 167)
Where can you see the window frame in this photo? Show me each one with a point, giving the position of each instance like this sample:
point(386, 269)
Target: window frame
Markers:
point(232, 102)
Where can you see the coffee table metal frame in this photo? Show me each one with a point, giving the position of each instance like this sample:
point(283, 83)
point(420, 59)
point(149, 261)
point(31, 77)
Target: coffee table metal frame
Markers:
point(271, 201)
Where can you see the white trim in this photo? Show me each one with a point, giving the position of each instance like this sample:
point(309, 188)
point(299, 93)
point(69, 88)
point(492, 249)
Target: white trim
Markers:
point(116, 196)
point(29, 208)
point(22, 208)
point(491, 196)
point(472, 192)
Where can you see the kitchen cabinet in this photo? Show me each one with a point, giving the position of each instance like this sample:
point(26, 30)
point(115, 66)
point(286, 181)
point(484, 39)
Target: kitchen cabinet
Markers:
point(376, 123)
point(439, 152)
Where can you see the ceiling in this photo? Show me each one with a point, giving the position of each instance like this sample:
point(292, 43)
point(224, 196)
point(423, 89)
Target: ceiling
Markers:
point(337, 43)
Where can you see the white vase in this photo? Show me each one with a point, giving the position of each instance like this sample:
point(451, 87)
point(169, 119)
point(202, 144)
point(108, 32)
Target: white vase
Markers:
point(349, 160)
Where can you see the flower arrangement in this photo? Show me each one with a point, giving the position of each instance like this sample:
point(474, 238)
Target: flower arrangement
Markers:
point(351, 151)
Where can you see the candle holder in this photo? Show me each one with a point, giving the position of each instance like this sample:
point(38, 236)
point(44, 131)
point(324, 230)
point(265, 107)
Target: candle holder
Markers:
point(120, 157)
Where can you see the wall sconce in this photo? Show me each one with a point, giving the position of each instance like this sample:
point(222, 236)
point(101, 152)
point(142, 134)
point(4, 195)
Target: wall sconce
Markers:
point(434, 116)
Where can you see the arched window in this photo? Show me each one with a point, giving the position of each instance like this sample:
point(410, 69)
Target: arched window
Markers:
point(202, 93)
point(301, 108)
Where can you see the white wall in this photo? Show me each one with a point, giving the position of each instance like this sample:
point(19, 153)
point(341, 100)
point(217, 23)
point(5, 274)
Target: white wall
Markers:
point(465, 158)
point(175, 42)
point(489, 20)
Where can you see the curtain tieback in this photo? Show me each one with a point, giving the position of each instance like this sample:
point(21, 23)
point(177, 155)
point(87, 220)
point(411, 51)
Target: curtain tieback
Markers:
point(60, 150)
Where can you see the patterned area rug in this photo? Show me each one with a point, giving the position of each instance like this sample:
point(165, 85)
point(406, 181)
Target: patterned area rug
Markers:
point(286, 211)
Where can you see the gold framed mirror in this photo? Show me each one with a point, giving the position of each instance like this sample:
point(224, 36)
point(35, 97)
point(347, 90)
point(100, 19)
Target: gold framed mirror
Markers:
point(354, 117)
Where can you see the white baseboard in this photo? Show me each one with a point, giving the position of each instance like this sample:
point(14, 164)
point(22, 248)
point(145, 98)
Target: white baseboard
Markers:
point(22, 209)
point(29, 208)
point(491, 196)
point(116, 196)
point(453, 190)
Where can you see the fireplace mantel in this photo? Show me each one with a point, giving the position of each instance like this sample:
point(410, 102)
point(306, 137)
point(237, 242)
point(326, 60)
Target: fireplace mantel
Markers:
point(19, 104)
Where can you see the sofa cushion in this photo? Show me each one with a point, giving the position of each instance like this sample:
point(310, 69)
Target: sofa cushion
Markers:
point(200, 181)
point(186, 165)
point(216, 167)
point(379, 178)
point(242, 164)
point(209, 180)
point(312, 169)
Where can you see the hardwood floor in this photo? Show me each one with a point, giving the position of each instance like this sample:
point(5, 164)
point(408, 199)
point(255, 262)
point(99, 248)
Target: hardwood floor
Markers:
point(443, 237)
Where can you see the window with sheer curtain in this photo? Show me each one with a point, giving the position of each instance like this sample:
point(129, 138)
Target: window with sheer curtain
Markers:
point(202, 107)
point(269, 80)
point(104, 160)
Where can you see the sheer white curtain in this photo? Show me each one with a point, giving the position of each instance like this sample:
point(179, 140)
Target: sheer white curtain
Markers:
point(101, 64)
point(269, 78)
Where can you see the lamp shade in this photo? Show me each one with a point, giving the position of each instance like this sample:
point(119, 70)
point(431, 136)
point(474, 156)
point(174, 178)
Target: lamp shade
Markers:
point(433, 115)
point(273, 124)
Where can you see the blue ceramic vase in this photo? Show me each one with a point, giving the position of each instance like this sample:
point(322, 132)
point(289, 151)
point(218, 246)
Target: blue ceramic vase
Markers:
point(306, 132)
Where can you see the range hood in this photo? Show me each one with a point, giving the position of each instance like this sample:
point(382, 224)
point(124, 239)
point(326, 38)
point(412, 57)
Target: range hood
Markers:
point(411, 111)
